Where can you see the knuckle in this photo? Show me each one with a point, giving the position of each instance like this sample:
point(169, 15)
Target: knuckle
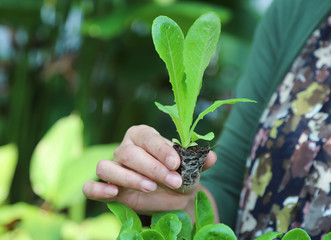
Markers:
point(116, 153)
point(100, 166)
point(158, 171)
point(126, 154)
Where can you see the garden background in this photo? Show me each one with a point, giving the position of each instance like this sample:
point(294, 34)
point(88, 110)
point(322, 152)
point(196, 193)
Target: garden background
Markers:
point(74, 75)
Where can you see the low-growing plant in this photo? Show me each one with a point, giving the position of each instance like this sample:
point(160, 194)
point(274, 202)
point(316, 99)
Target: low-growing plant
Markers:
point(177, 224)
point(186, 59)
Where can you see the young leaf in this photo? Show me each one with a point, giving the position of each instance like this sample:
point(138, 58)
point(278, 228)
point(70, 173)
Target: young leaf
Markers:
point(169, 226)
point(270, 236)
point(215, 231)
point(327, 236)
point(151, 234)
point(129, 234)
point(171, 110)
point(296, 234)
point(186, 230)
point(168, 40)
point(215, 105)
point(203, 211)
point(200, 43)
point(126, 215)
point(209, 136)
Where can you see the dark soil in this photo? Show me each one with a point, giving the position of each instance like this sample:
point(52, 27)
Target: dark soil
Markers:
point(192, 161)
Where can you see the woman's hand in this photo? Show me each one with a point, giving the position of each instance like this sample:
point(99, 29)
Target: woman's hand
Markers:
point(143, 174)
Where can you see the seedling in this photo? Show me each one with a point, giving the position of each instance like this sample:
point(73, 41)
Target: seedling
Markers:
point(186, 59)
point(176, 224)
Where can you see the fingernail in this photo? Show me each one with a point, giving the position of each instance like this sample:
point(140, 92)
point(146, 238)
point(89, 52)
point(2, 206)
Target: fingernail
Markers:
point(174, 180)
point(148, 186)
point(171, 162)
point(110, 191)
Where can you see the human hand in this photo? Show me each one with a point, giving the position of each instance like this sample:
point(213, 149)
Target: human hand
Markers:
point(143, 174)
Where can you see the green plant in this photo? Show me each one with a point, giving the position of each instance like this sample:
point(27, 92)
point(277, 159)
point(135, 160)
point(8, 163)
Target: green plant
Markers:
point(177, 224)
point(186, 60)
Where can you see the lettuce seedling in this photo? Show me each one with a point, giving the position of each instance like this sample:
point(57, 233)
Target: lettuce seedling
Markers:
point(186, 59)
point(177, 224)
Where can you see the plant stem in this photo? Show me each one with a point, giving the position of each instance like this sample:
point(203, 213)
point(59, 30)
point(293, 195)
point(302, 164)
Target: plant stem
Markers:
point(77, 212)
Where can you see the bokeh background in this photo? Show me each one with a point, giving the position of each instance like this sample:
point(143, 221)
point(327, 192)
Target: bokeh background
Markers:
point(74, 75)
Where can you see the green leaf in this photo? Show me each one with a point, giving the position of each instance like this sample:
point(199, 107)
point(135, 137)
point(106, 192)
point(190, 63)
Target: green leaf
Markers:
point(217, 104)
point(208, 137)
point(200, 43)
point(270, 236)
point(168, 40)
point(185, 219)
point(327, 236)
point(61, 145)
point(169, 226)
point(126, 216)
point(171, 110)
point(77, 172)
point(203, 211)
point(129, 234)
point(296, 234)
point(215, 231)
point(8, 161)
point(104, 226)
point(151, 234)
point(121, 19)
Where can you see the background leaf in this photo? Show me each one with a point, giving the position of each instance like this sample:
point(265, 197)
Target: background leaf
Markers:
point(8, 161)
point(77, 172)
point(60, 146)
point(203, 211)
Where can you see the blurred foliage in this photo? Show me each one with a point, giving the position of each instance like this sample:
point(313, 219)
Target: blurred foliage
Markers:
point(95, 60)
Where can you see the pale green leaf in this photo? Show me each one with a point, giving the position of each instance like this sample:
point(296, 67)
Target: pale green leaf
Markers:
point(168, 40)
point(8, 161)
point(77, 172)
point(61, 145)
point(200, 43)
point(171, 110)
point(174, 140)
point(104, 226)
point(217, 104)
point(208, 137)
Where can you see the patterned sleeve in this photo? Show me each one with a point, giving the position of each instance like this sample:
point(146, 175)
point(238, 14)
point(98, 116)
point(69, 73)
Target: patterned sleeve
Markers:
point(266, 67)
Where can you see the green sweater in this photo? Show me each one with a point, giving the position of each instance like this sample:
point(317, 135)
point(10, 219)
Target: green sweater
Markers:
point(278, 40)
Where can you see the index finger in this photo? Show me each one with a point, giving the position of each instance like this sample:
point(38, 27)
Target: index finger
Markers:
point(152, 142)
